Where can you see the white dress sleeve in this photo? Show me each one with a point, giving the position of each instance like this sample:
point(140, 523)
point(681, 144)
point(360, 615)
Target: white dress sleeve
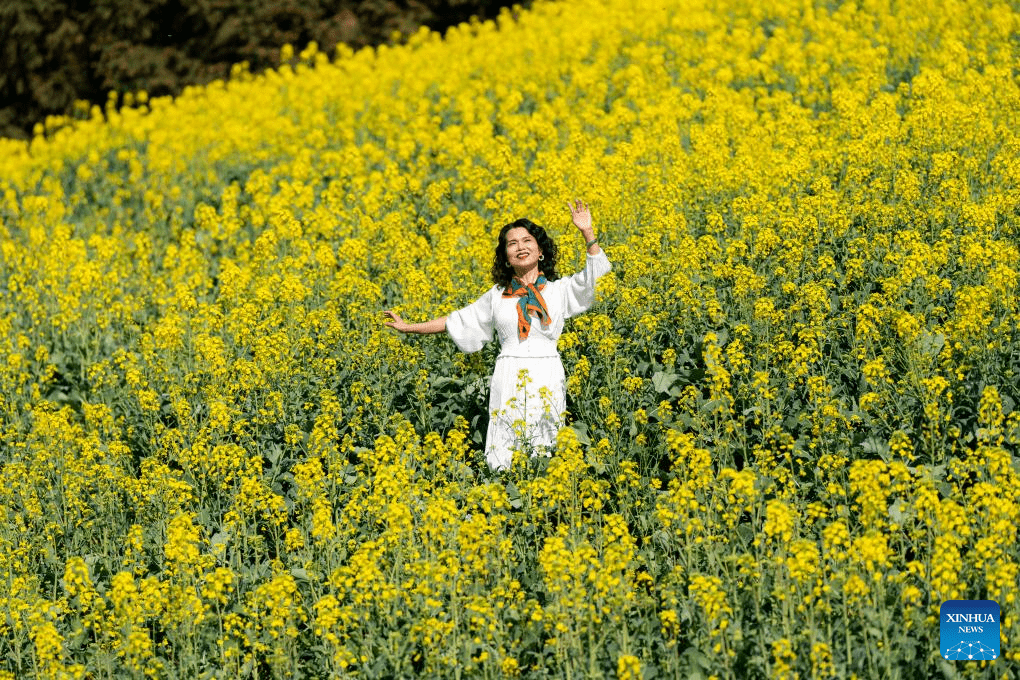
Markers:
point(472, 326)
point(579, 289)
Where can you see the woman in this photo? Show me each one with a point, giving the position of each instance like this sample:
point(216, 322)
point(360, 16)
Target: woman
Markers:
point(527, 307)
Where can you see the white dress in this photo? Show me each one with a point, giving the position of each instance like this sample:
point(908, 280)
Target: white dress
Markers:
point(527, 392)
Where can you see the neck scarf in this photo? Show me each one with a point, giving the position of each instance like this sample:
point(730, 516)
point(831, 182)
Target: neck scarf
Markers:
point(530, 302)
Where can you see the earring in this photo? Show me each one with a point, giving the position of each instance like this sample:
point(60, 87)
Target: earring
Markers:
point(508, 265)
point(541, 257)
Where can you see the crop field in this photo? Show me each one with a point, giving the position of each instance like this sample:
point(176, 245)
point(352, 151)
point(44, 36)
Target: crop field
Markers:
point(794, 416)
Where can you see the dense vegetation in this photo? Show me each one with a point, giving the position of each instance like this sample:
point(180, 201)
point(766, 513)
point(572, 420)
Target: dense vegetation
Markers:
point(59, 57)
point(794, 402)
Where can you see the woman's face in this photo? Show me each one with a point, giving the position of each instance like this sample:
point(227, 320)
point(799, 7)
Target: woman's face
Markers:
point(522, 249)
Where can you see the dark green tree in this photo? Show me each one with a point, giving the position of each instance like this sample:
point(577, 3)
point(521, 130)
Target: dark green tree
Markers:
point(54, 53)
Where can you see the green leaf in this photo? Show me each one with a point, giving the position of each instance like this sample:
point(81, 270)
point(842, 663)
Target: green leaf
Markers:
point(513, 495)
point(875, 446)
point(581, 431)
point(931, 343)
point(663, 381)
point(219, 538)
point(1007, 404)
point(896, 511)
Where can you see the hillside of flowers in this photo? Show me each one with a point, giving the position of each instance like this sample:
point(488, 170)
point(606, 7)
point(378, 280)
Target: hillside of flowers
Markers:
point(793, 407)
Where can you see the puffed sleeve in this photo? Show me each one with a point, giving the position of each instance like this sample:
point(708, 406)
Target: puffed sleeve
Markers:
point(579, 289)
point(472, 326)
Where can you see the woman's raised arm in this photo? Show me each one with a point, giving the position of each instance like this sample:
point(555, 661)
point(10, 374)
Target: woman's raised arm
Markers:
point(581, 216)
point(424, 328)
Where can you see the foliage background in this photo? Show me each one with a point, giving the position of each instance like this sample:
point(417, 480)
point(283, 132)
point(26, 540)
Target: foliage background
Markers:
point(54, 53)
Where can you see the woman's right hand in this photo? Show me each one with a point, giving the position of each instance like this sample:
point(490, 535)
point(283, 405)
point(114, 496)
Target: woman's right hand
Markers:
point(397, 323)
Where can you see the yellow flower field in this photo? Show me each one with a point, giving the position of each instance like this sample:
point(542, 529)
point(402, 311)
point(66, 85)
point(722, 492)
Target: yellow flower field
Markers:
point(794, 404)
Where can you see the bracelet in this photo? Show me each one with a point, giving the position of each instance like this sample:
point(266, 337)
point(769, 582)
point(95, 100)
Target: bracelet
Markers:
point(589, 243)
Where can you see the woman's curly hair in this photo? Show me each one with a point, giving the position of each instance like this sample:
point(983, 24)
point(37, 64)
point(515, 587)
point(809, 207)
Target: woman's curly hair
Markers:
point(503, 271)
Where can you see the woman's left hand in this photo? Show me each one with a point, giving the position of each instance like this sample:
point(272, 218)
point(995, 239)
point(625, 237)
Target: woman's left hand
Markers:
point(581, 216)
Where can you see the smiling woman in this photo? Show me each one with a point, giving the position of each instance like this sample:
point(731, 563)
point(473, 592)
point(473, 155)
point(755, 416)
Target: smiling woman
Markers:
point(527, 392)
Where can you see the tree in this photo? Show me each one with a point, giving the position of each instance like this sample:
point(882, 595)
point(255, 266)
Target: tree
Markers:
point(54, 53)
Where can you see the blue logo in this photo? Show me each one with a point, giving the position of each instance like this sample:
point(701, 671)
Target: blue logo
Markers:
point(969, 630)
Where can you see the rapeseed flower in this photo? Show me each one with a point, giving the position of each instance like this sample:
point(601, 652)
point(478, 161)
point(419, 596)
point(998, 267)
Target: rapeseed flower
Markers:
point(790, 397)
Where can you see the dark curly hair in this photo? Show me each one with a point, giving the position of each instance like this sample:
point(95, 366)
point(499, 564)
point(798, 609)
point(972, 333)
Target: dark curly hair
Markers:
point(503, 271)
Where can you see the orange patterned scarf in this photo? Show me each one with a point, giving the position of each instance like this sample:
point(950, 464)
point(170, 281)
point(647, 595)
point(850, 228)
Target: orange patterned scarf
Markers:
point(530, 302)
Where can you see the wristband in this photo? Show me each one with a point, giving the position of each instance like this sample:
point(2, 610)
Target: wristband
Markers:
point(589, 243)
